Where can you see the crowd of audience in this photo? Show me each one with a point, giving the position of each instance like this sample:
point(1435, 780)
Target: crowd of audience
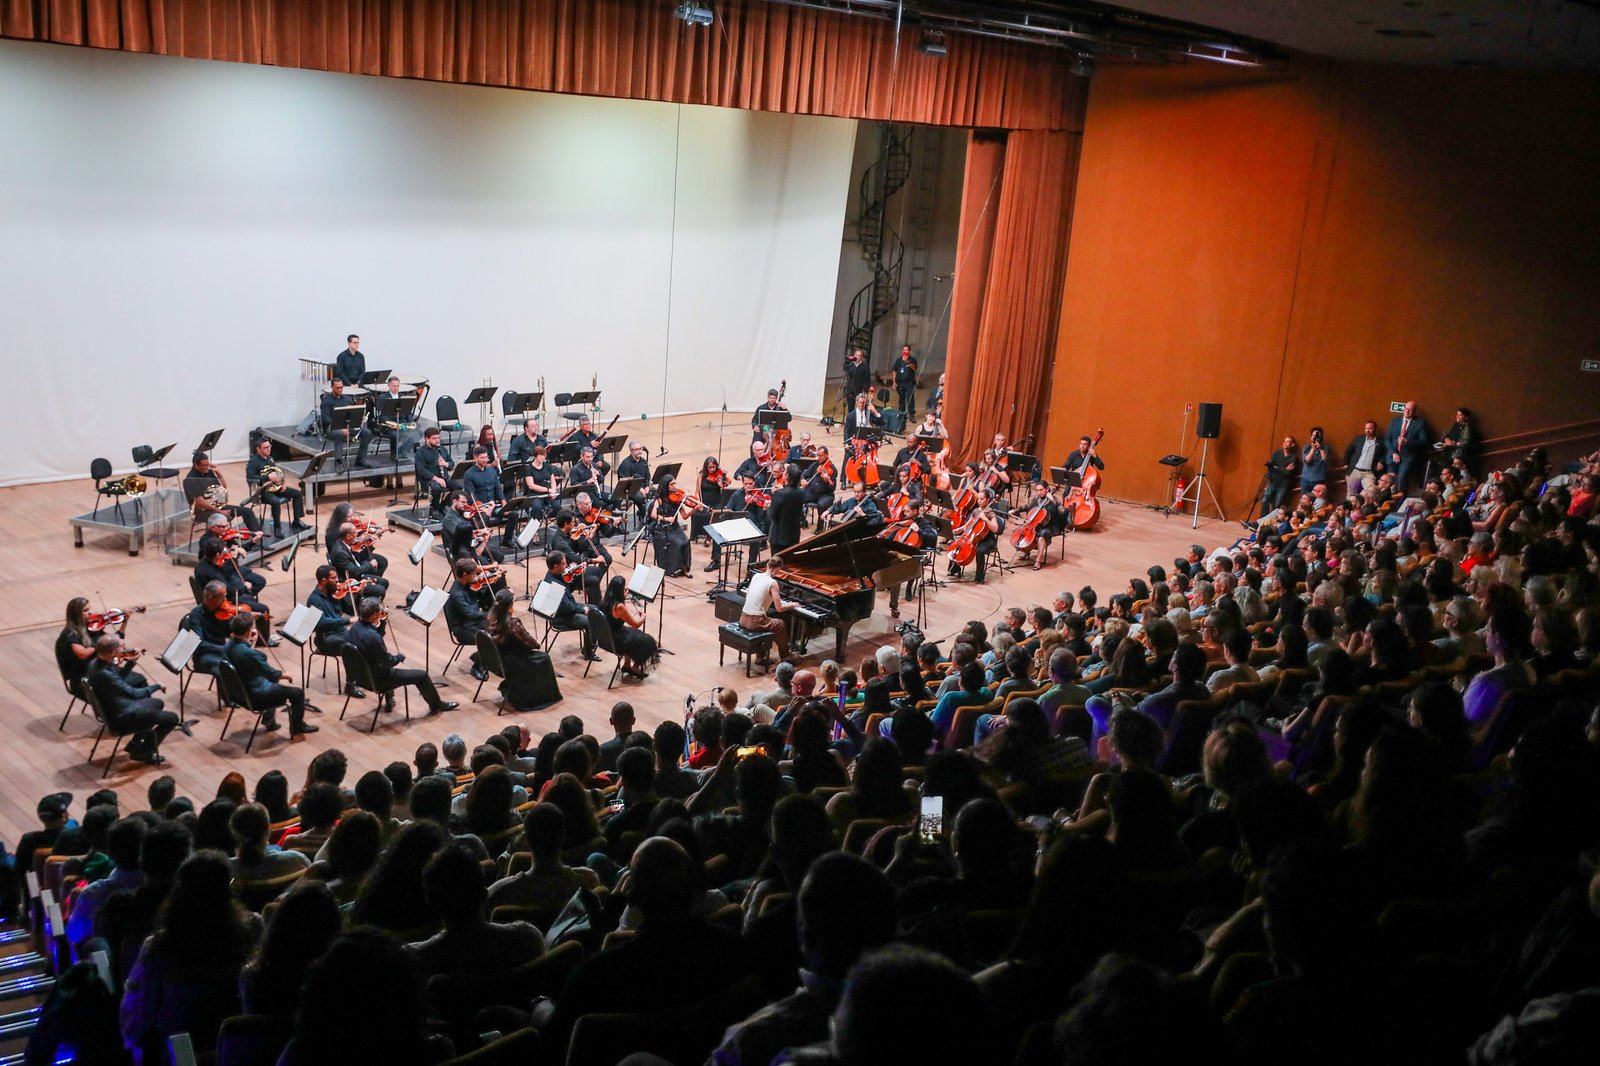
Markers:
point(1332, 793)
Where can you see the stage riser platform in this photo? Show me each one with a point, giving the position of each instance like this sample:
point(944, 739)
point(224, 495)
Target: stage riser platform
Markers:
point(137, 519)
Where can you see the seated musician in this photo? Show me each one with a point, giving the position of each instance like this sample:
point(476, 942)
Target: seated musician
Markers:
point(637, 465)
point(803, 448)
point(856, 505)
point(75, 644)
point(988, 529)
point(714, 482)
point(530, 681)
point(583, 433)
point(209, 620)
point(579, 549)
point(820, 484)
point(914, 454)
point(767, 408)
point(932, 426)
point(487, 438)
point(862, 419)
point(463, 538)
point(759, 595)
point(541, 481)
point(208, 493)
point(1076, 462)
point(596, 521)
point(587, 473)
point(347, 557)
point(907, 480)
point(395, 427)
point(130, 709)
point(341, 437)
point(333, 627)
point(786, 512)
point(367, 638)
point(263, 473)
point(927, 539)
point(482, 481)
point(525, 443)
point(569, 615)
point(752, 502)
point(212, 567)
point(670, 514)
point(1053, 522)
point(433, 465)
point(467, 608)
point(756, 465)
point(217, 528)
point(264, 682)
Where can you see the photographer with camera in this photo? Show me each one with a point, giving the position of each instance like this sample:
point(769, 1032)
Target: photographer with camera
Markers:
point(1313, 462)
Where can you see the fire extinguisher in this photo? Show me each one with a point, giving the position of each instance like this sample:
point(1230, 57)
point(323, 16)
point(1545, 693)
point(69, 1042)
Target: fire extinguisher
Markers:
point(1177, 493)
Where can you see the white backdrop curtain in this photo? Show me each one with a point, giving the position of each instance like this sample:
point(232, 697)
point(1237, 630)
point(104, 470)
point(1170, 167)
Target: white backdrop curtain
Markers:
point(175, 234)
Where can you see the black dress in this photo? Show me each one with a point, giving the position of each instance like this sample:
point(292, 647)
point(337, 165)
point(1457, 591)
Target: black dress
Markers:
point(530, 681)
point(633, 643)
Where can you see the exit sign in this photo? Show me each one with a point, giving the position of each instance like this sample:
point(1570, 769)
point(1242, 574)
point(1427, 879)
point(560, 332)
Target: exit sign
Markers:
point(1592, 365)
point(1397, 406)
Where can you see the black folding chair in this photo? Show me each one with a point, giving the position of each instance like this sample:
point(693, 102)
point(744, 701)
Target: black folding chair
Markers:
point(359, 671)
point(234, 696)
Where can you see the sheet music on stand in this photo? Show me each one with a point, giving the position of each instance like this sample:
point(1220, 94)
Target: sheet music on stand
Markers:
point(180, 651)
point(426, 607)
point(301, 625)
point(645, 581)
point(419, 550)
point(547, 601)
point(734, 531)
point(529, 530)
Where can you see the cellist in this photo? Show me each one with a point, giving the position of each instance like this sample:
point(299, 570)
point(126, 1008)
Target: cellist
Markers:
point(1043, 515)
point(983, 529)
point(914, 530)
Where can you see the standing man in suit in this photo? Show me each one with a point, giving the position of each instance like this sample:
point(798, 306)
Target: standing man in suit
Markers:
point(1364, 460)
point(129, 708)
point(349, 366)
point(262, 681)
point(786, 512)
point(1410, 441)
point(368, 640)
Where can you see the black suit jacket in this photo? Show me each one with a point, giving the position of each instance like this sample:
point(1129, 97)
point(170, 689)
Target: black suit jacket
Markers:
point(257, 674)
point(785, 513)
point(369, 642)
point(114, 691)
point(343, 559)
point(466, 610)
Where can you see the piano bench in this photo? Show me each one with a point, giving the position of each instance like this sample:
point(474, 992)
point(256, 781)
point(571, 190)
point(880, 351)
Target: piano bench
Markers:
point(749, 643)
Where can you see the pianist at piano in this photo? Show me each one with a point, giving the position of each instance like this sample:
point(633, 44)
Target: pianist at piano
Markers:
point(761, 593)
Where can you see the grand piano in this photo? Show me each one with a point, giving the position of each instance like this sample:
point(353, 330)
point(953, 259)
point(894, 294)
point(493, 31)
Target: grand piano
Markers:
point(833, 578)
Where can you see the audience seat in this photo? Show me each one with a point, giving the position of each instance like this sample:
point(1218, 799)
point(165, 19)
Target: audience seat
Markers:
point(252, 1040)
point(457, 997)
point(513, 1049)
point(686, 1034)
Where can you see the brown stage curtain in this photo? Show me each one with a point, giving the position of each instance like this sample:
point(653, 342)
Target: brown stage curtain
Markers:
point(1011, 266)
point(758, 55)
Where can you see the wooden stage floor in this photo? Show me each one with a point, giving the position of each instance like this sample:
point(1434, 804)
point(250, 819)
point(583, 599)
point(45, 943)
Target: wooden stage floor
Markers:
point(41, 570)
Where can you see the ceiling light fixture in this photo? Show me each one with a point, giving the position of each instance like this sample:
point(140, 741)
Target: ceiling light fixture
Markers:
point(695, 14)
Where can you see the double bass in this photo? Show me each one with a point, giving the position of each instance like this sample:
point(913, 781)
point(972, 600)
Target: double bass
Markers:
point(782, 436)
point(1082, 505)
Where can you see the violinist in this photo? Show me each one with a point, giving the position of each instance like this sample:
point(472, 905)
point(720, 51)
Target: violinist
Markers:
point(346, 557)
point(637, 648)
point(541, 481)
point(212, 568)
point(772, 404)
point(819, 486)
point(596, 525)
point(129, 709)
point(756, 466)
point(462, 537)
point(752, 503)
point(1045, 515)
point(856, 505)
point(714, 482)
point(925, 538)
point(216, 535)
point(75, 644)
point(526, 443)
point(272, 490)
point(264, 681)
point(467, 609)
point(669, 512)
point(200, 485)
point(905, 382)
point(803, 448)
point(367, 638)
point(636, 465)
point(333, 627)
point(209, 620)
point(331, 401)
point(786, 512)
point(984, 529)
point(433, 465)
point(575, 549)
point(1077, 462)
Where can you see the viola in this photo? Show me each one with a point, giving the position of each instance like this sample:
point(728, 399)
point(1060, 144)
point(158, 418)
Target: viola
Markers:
point(719, 476)
point(127, 655)
point(1082, 502)
point(115, 618)
point(675, 496)
point(486, 575)
point(570, 572)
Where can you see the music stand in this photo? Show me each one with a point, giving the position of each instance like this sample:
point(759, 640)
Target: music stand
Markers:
point(524, 538)
point(527, 401)
point(348, 419)
point(1028, 464)
point(731, 535)
point(545, 603)
point(772, 421)
point(397, 409)
point(425, 609)
point(586, 399)
point(565, 452)
point(419, 554)
point(209, 441)
point(1061, 478)
point(672, 469)
point(645, 583)
point(299, 628)
point(374, 377)
point(481, 396)
point(932, 445)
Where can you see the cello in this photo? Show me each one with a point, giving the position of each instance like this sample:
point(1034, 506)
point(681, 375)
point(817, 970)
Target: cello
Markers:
point(1082, 504)
point(1026, 535)
point(964, 545)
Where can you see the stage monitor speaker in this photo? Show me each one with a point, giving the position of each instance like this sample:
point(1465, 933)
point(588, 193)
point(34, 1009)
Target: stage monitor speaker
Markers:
point(1210, 422)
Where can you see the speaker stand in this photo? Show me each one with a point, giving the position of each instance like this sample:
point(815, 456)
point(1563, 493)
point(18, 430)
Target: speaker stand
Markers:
point(1199, 480)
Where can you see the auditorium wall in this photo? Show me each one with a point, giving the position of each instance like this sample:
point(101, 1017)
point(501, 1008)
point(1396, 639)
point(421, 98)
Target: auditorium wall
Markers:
point(1306, 246)
point(177, 233)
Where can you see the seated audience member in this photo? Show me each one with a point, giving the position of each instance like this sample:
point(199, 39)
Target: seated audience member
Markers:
point(469, 943)
point(305, 923)
point(253, 860)
point(549, 882)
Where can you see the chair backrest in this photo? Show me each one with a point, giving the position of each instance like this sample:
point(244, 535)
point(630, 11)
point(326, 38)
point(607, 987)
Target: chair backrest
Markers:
point(514, 1049)
point(197, 588)
point(687, 1033)
point(444, 410)
point(357, 670)
point(257, 894)
point(508, 402)
point(233, 690)
point(100, 469)
point(252, 1040)
point(489, 654)
point(600, 628)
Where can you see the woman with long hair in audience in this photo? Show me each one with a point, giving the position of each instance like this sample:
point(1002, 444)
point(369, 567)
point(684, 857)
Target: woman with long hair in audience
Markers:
point(875, 787)
point(1403, 817)
point(391, 896)
point(211, 831)
point(1555, 642)
point(272, 792)
point(813, 762)
point(186, 978)
point(305, 922)
point(488, 807)
point(350, 855)
point(583, 834)
point(232, 789)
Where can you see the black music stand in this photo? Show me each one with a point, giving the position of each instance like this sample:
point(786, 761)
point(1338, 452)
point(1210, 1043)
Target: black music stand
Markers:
point(673, 469)
point(313, 468)
point(731, 535)
point(1028, 464)
point(209, 441)
point(645, 583)
point(565, 452)
point(931, 445)
point(770, 422)
point(374, 377)
point(482, 396)
point(401, 410)
point(583, 399)
point(348, 419)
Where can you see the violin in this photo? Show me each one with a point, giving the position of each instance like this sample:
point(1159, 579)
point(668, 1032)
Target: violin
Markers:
point(115, 618)
point(478, 510)
point(127, 655)
point(1082, 502)
point(349, 587)
point(757, 498)
point(1026, 535)
point(229, 533)
point(486, 575)
point(570, 572)
point(719, 477)
point(226, 612)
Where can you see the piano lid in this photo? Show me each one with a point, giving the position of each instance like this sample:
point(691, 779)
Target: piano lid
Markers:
point(850, 551)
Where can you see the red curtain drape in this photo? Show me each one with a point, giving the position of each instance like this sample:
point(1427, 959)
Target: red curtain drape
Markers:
point(1011, 266)
point(758, 55)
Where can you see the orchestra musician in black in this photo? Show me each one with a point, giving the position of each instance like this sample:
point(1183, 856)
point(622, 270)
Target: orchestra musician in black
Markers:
point(772, 404)
point(348, 558)
point(541, 481)
point(212, 567)
point(670, 516)
point(467, 609)
point(927, 541)
point(637, 465)
point(482, 484)
point(129, 709)
point(820, 484)
point(587, 472)
point(752, 502)
point(208, 620)
point(756, 466)
point(1077, 461)
point(583, 433)
point(579, 549)
point(1054, 523)
point(523, 444)
point(264, 682)
point(590, 517)
point(863, 420)
point(367, 638)
point(341, 437)
point(274, 492)
point(200, 479)
point(350, 366)
point(433, 465)
point(915, 452)
point(786, 512)
point(569, 614)
point(463, 538)
point(333, 625)
point(397, 433)
point(215, 526)
point(858, 504)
